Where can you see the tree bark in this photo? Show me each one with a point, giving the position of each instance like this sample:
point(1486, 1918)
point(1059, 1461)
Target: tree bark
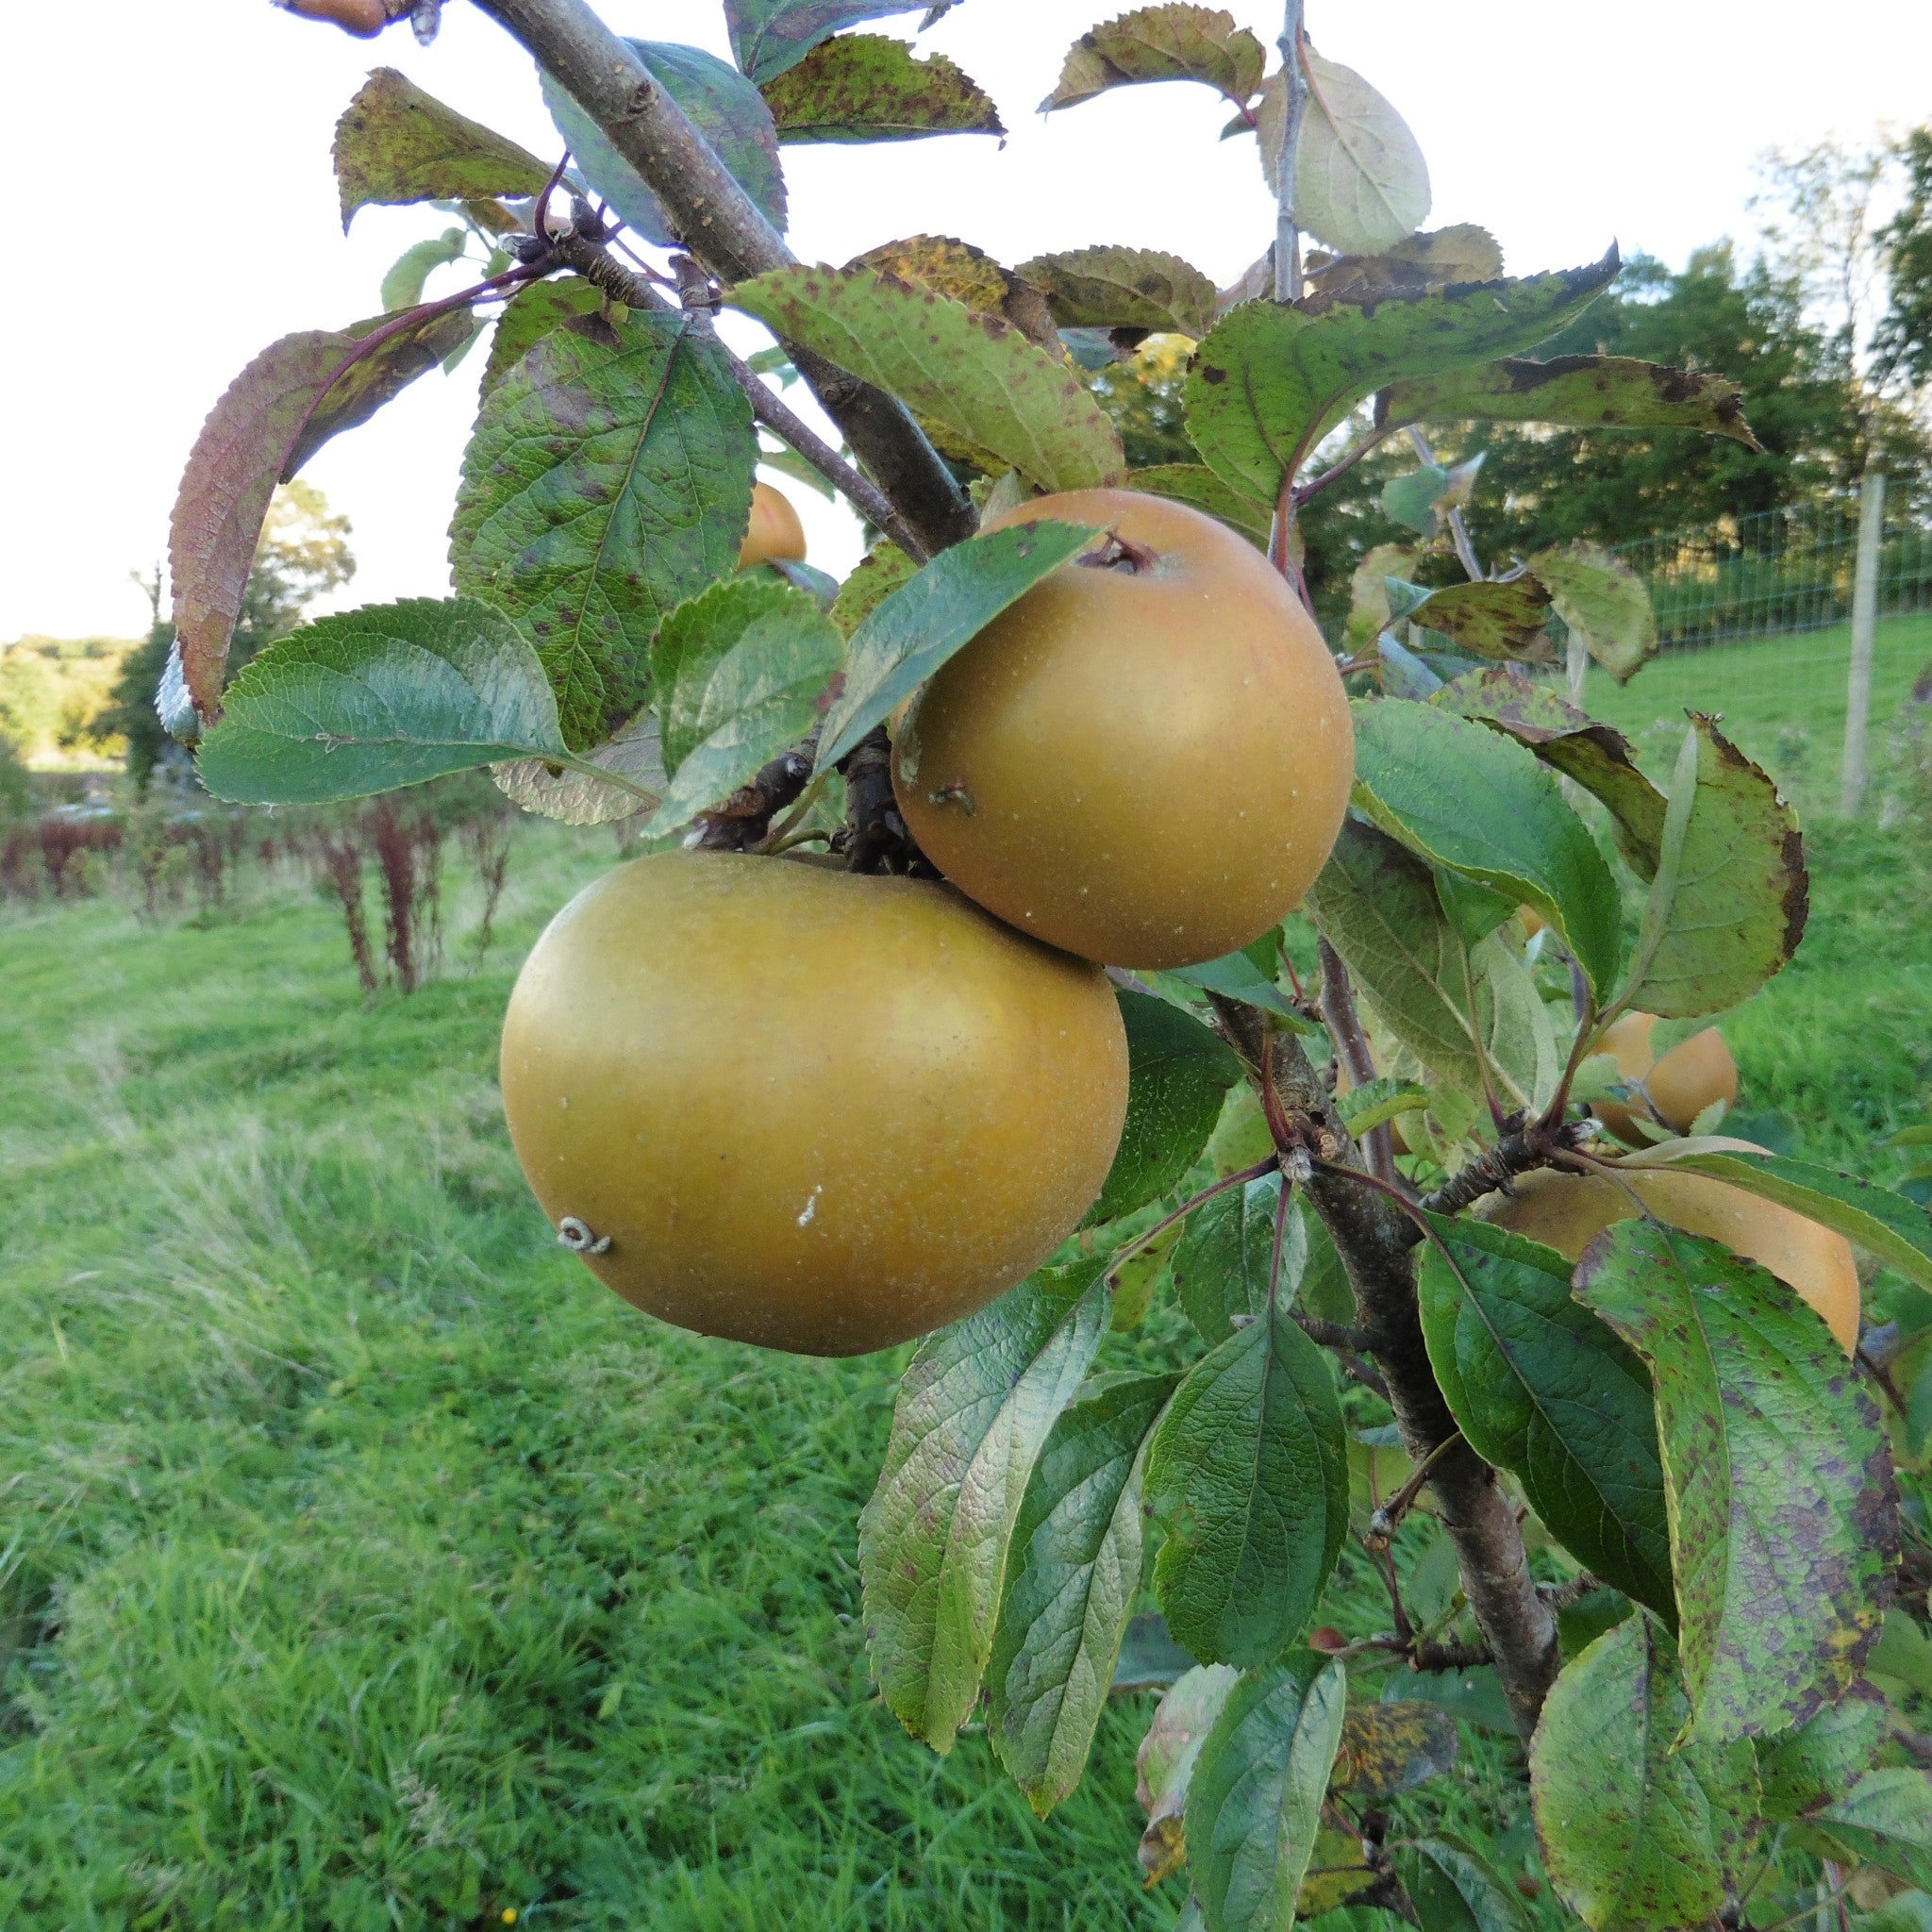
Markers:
point(721, 225)
point(1377, 1241)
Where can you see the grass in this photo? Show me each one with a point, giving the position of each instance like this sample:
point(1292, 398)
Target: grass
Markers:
point(1783, 699)
point(364, 1564)
point(367, 1564)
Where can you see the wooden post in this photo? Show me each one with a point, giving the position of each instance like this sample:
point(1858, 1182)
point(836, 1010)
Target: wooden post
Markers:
point(1864, 629)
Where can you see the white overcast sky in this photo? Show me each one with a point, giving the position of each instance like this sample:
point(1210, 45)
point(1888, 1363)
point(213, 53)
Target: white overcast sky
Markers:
point(173, 209)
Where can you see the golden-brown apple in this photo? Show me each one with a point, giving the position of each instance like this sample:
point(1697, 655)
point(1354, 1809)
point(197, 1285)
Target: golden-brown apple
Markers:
point(1680, 1086)
point(1146, 759)
point(806, 1109)
point(775, 531)
point(1567, 1211)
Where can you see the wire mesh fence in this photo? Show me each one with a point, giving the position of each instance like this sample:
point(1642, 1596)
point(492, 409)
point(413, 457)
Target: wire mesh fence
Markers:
point(1756, 616)
point(1779, 573)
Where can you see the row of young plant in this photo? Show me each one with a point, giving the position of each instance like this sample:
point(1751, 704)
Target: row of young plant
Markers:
point(1698, 1457)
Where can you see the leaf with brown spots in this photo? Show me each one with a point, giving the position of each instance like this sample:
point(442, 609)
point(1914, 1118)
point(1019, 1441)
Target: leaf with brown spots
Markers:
point(1638, 1834)
point(274, 417)
point(1390, 1748)
point(951, 267)
point(1783, 1510)
point(395, 145)
point(982, 391)
point(1165, 1761)
point(1604, 601)
point(867, 87)
point(532, 313)
point(1728, 905)
point(1431, 260)
point(608, 479)
point(1491, 619)
point(1271, 379)
point(1597, 757)
point(1884, 1820)
point(1123, 288)
point(1172, 43)
point(1582, 392)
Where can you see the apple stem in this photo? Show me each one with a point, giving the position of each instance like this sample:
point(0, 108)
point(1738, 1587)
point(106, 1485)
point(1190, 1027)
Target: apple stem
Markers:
point(1119, 553)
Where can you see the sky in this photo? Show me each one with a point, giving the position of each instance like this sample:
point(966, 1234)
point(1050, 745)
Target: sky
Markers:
point(179, 212)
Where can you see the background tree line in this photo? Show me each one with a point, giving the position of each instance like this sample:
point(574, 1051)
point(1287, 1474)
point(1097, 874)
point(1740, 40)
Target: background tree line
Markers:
point(1828, 331)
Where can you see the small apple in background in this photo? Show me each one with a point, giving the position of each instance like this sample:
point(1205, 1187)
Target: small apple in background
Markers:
point(775, 531)
point(1567, 1211)
point(1680, 1085)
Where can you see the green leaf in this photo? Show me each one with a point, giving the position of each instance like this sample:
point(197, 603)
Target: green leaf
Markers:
point(1197, 485)
point(1178, 1073)
point(1271, 380)
point(719, 102)
point(768, 36)
point(1604, 601)
point(1541, 1388)
point(1377, 904)
point(976, 1407)
point(1123, 288)
point(1471, 1697)
point(936, 611)
point(1360, 182)
point(739, 675)
point(1365, 1109)
point(1885, 1820)
point(1598, 757)
point(402, 287)
point(1222, 1263)
point(1238, 977)
point(530, 315)
point(880, 572)
point(609, 478)
point(1897, 1230)
point(864, 88)
point(1387, 1749)
point(1731, 911)
point(1072, 1576)
point(1803, 1771)
point(1784, 1516)
point(372, 699)
point(1637, 1835)
point(281, 408)
point(394, 144)
point(984, 392)
point(1491, 619)
point(1463, 797)
point(1412, 499)
point(1150, 1660)
point(1169, 43)
point(1583, 392)
point(1249, 1471)
point(1455, 1888)
point(1167, 1757)
point(575, 796)
point(1255, 1800)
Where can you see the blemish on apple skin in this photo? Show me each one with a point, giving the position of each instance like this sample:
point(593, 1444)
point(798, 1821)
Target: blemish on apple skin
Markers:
point(811, 1207)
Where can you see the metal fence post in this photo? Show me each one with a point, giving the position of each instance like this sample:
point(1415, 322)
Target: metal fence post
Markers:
point(1864, 629)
